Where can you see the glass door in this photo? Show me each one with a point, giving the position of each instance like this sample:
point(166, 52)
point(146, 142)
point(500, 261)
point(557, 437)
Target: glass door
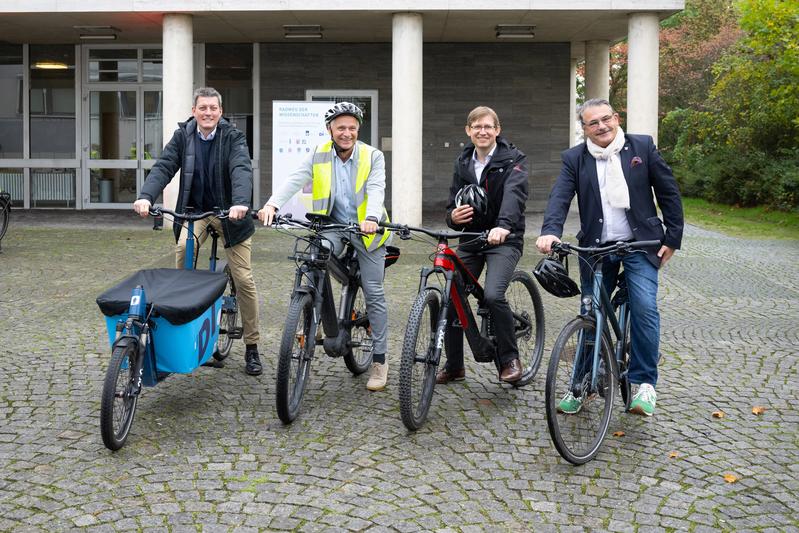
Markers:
point(111, 152)
point(122, 120)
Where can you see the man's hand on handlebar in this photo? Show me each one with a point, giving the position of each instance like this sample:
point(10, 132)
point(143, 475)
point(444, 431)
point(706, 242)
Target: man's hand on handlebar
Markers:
point(368, 227)
point(267, 214)
point(142, 207)
point(237, 212)
point(497, 235)
point(544, 243)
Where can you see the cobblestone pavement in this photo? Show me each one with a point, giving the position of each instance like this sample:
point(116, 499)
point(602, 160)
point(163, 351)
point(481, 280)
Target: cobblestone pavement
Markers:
point(208, 453)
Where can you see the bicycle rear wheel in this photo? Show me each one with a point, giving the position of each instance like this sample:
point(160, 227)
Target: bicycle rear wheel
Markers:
point(528, 318)
point(294, 358)
point(228, 322)
point(577, 427)
point(120, 396)
point(5, 214)
point(359, 355)
point(417, 369)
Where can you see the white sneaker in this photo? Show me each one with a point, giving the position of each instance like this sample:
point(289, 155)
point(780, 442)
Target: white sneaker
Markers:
point(378, 377)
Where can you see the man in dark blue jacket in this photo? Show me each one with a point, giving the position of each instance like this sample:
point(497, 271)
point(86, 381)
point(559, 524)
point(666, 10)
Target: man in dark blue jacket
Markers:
point(614, 175)
point(500, 170)
point(216, 173)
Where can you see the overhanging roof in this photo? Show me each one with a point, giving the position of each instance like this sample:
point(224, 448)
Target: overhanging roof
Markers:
point(53, 21)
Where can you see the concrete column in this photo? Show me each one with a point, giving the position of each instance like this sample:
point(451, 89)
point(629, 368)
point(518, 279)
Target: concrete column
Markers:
point(642, 74)
point(597, 69)
point(177, 84)
point(406, 119)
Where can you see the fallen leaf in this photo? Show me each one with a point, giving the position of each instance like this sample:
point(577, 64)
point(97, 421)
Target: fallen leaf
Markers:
point(731, 478)
point(758, 410)
point(618, 434)
point(718, 414)
point(672, 455)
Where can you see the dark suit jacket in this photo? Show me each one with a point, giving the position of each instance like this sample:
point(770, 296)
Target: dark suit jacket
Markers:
point(644, 170)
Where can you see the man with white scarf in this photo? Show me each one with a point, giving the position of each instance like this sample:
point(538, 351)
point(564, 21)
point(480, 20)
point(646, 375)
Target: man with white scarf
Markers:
point(614, 175)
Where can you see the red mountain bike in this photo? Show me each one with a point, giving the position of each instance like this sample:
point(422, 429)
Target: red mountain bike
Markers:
point(447, 283)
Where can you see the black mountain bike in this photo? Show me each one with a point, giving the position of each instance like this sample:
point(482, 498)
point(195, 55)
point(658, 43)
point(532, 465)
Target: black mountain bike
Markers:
point(449, 283)
point(589, 357)
point(344, 333)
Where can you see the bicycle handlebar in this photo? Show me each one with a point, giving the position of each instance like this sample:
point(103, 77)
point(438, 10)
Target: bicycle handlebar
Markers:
point(620, 247)
point(404, 228)
point(157, 211)
point(313, 225)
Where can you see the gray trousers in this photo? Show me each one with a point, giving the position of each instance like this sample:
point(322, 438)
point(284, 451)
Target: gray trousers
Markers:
point(372, 266)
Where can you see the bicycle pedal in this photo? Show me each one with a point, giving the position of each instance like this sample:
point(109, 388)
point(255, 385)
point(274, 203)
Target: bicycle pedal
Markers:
point(235, 333)
point(213, 363)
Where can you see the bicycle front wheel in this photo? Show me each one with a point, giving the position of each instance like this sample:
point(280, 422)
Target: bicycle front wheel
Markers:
point(578, 414)
point(359, 355)
point(229, 321)
point(120, 396)
point(294, 359)
point(417, 366)
point(528, 321)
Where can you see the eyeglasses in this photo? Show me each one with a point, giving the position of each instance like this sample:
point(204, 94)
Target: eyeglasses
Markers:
point(595, 123)
point(487, 127)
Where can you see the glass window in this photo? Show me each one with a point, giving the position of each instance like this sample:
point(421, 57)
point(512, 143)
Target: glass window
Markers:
point(152, 65)
point(53, 187)
point(52, 101)
point(228, 69)
point(108, 64)
point(11, 103)
point(12, 181)
point(112, 118)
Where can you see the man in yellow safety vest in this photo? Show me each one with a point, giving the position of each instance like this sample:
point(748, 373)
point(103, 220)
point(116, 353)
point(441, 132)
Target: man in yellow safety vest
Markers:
point(349, 183)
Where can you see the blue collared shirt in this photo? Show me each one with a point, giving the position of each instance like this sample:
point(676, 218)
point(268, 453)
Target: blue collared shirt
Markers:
point(344, 208)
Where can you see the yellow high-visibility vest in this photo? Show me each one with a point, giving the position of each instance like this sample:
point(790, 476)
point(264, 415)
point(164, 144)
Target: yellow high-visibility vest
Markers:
point(323, 186)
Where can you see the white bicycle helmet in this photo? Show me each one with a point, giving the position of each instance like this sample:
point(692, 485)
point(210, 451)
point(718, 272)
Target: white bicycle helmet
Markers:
point(343, 108)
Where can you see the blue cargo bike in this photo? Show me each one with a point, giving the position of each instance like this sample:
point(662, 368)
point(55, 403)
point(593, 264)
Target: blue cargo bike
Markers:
point(163, 321)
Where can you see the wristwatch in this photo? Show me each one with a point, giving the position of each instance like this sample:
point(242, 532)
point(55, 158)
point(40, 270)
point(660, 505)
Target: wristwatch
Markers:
point(372, 218)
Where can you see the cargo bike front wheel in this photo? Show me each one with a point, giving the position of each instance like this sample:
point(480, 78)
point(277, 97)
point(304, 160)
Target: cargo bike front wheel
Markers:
point(120, 395)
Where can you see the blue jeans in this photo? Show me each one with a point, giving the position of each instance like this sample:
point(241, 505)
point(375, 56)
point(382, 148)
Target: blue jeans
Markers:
point(642, 288)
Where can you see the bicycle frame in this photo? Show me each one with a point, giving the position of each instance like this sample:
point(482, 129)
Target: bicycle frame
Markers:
point(602, 310)
point(312, 276)
point(459, 284)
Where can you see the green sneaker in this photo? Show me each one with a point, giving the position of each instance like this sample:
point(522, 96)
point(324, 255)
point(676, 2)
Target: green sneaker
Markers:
point(644, 400)
point(570, 405)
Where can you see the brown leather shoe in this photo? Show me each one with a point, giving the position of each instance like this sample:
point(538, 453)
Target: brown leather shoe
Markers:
point(445, 376)
point(512, 371)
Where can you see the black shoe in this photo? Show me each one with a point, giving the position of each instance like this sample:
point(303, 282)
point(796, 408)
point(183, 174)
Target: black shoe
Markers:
point(253, 366)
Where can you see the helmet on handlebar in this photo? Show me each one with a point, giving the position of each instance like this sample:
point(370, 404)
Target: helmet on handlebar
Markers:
point(343, 108)
point(475, 196)
point(554, 277)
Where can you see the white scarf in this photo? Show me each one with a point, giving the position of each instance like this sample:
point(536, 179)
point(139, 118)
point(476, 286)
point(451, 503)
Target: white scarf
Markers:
point(615, 185)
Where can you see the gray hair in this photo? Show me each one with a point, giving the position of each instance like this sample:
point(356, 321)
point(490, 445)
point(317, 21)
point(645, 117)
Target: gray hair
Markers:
point(593, 102)
point(206, 92)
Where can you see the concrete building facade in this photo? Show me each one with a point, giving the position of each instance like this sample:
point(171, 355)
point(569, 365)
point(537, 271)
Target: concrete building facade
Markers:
point(92, 92)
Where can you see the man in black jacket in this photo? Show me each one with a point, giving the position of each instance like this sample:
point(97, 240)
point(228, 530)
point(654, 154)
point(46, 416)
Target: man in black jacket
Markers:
point(215, 173)
point(494, 164)
point(614, 175)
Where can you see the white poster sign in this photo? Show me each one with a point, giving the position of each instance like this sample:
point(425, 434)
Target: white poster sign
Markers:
point(297, 128)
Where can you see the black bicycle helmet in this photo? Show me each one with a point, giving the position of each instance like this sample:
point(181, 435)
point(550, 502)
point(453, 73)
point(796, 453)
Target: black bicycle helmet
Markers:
point(554, 277)
point(475, 196)
point(343, 108)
